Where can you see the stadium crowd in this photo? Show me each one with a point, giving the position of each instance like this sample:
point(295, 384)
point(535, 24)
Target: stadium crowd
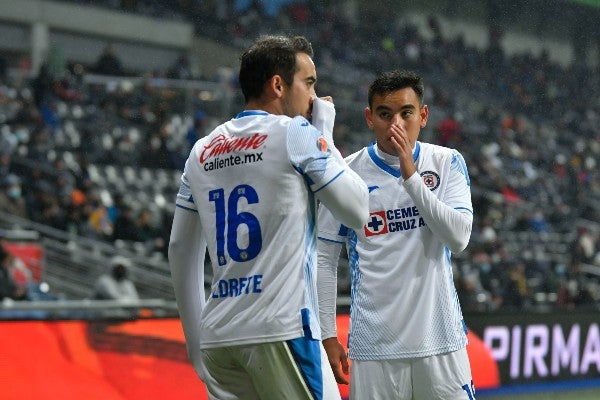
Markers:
point(528, 128)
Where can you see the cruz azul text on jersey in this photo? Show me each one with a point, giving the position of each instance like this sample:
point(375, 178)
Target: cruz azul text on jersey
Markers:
point(398, 220)
point(217, 153)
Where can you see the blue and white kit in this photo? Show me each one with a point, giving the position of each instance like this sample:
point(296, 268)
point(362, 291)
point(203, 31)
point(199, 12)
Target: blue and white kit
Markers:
point(253, 183)
point(403, 300)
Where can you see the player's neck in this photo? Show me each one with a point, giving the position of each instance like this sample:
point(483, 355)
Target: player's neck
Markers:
point(272, 106)
point(390, 159)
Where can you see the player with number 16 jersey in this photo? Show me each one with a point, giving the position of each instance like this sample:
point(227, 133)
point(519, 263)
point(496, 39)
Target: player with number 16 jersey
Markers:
point(247, 181)
point(249, 193)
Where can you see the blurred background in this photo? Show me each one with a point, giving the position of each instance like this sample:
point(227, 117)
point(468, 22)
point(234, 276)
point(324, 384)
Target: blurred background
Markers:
point(100, 102)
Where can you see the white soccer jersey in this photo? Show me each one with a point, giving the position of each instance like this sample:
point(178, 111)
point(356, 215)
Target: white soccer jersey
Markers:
point(403, 299)
point(252, 182)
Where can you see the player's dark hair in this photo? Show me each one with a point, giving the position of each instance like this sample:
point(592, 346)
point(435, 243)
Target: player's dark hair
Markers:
point(391, 81)
point(270, 55)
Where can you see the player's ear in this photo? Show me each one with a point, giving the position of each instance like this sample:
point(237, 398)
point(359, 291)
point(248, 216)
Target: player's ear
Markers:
point(424, 115)
point(277, 85)
point(369, 117)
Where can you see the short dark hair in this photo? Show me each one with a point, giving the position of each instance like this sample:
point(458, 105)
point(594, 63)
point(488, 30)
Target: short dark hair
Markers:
point(391, 81)
point(270, 55)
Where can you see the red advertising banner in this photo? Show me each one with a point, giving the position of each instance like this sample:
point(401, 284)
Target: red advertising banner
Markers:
point(144, 359)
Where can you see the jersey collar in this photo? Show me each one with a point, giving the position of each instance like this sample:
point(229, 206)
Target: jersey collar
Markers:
point(248, 113)
point(384, 166)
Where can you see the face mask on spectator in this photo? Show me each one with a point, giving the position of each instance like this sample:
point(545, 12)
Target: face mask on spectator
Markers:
point(14, 192)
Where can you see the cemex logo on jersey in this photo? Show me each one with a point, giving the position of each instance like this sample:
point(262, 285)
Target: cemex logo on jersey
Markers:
point(377, 224)
point(394, 221)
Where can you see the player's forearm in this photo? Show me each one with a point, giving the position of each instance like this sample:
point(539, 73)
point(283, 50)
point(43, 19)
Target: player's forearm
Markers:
point(323, 118)
point(450, 226)
point(186, 260)
point(347, 197)
point(327, 261)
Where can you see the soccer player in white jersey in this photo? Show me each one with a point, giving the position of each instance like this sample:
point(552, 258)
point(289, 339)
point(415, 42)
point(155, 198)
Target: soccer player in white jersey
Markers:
point(249, 194)
point(407, 335)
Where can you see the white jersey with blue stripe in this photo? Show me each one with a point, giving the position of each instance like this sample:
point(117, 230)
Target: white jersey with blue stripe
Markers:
point(252, 182)
point(403, 300)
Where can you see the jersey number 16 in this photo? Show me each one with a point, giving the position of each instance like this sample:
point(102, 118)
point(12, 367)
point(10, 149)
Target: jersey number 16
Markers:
point(229, 220)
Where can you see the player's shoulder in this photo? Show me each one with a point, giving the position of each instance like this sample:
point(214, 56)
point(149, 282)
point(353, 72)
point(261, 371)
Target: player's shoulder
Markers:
point(300, 130)
point(356, 157)
point(437, 151)
point(299, 122)
point(434, 148)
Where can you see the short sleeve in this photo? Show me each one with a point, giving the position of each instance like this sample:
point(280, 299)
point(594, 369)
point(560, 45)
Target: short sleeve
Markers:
point(184, 198)
point(458, 192)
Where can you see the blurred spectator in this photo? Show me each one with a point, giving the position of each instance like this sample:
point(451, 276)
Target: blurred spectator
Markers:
point(180, 69)
point(564, 290)
point(157, 151)
point(108, 63)
point(148, 233)
point(99, 220)
point(42, 204)
point(539, 223)
point(515, 294)
point(11, 197)
point(449, 130)
point(467, 294)
point(198, 129)
point(114, 210)
point(125, 227)
point(42, 86)
point(146, 229)
point(115, 283)
point(487, 233)
point(585, 246)
point(8, 286)
point(164, 228)
point(5, 161)
point(3, 69)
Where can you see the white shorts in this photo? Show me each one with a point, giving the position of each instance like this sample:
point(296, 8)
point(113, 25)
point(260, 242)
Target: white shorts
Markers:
point(294, 369)
point(445, 376)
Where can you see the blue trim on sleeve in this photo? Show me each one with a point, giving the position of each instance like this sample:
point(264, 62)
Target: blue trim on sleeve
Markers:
point(459, 163)
point(186, 208)
point(464, 209)
point(327, 184)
